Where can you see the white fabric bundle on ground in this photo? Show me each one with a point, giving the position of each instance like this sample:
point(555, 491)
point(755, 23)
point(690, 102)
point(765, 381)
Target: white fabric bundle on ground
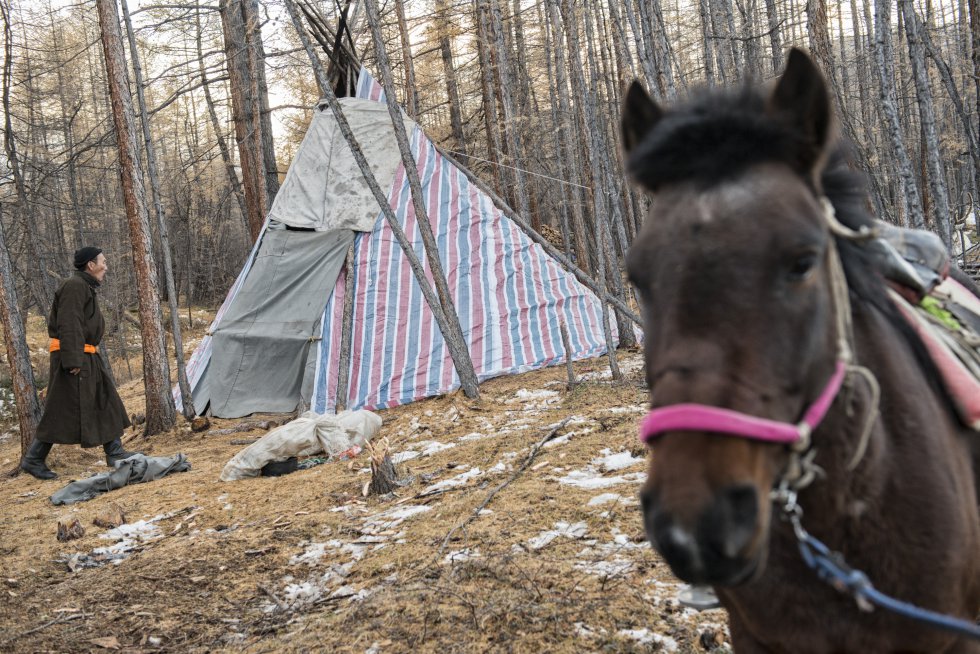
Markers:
point(309, 434)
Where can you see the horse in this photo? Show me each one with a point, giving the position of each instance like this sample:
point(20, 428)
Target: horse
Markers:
point(762, 307)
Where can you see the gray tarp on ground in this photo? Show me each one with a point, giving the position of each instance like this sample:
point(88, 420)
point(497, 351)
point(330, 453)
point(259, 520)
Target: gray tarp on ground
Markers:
point(133, 470)
point(262, 345)
point(324, 188)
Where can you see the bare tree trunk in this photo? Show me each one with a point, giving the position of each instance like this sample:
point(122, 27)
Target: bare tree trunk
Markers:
point(643, 47)
point(160, 413)
point(256, 61)
point(819, 36)
point(974, 6)
point(726, 67)
point(233, 183)
point(410, 87)
point(970, 134)
point(514, 145)
point(775, 43)
point(526, 102)
point(927, 120)
point(489, 99)
point(168, 269)
point(706, 40)
point(245, 107)
point(565, 138)
point(601, 228)
point(18, 353)
point(908, 190)
point(452, 88)
point(666, 72)
point(447, 319)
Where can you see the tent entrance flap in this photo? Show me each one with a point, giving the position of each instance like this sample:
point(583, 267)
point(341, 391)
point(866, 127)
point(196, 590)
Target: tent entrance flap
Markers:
point(262, 344)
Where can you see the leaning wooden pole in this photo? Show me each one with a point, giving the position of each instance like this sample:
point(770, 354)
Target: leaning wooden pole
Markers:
point(346, 335)
point(186, 396)
point(455, 340)
point(457, 348)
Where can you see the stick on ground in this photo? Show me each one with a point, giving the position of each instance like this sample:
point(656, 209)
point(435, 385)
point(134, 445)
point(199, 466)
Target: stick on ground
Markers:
point(517, 473)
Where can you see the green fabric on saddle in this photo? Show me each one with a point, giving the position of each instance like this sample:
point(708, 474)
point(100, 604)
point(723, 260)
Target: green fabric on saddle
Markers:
point(934, 307)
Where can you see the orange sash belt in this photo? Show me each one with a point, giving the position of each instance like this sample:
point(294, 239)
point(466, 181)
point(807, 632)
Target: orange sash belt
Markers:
point(55, 345)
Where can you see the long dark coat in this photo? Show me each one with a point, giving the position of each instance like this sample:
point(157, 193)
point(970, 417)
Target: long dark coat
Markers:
point(83, 408)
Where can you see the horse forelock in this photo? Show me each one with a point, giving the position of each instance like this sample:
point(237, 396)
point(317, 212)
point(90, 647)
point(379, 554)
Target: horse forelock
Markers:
point(713, 137)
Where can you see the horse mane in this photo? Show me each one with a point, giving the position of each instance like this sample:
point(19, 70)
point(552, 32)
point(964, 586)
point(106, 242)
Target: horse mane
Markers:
point(717, 135)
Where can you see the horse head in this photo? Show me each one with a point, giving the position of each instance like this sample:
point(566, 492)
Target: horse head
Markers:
point(733, 271)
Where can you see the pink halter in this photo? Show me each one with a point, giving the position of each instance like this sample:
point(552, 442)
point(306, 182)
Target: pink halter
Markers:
point(700, 417)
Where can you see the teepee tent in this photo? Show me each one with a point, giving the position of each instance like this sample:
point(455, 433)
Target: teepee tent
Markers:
point(276, 341)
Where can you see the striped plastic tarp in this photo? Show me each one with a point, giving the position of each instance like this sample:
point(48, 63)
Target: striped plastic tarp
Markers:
point(511, 297)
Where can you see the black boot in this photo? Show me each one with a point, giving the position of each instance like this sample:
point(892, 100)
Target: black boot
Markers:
point(33, 461)
point(114, 452)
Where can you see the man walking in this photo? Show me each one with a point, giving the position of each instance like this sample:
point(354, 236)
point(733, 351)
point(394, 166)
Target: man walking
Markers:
point(83, 406)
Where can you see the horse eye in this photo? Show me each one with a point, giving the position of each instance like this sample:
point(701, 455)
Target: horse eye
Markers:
point(802, 266)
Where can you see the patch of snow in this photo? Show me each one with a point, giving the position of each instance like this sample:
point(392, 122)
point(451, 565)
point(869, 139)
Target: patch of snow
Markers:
point(616, 567)
point(564, 438)
point(604, 498)
point(474, 436)
point(402, 457)
point(453, 482)
point(523, 394)
point(591, 479)
point(301, 594)
point(583, 630)
point(647, 637)
point(392, 517)
point(431, 447)
point(611, 462)
point(314, 552)
point(134, 529)
point(459, 556)
point(576, 531)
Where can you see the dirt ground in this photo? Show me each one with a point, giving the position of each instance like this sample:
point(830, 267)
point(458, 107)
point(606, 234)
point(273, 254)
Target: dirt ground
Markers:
point(495, 543)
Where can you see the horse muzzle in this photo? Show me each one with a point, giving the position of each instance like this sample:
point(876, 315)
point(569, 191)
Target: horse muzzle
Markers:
point(720, 546)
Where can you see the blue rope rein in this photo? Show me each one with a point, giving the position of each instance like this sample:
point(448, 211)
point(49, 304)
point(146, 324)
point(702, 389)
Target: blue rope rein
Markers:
point(832, 569)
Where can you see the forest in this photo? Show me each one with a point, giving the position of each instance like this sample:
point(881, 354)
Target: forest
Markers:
point(162, 132)
point(214, 99)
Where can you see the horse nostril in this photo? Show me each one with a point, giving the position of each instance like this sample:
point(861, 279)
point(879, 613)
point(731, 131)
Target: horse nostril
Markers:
point(735, 516)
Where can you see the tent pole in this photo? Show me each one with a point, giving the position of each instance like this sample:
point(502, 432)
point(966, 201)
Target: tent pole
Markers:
point(346, 334)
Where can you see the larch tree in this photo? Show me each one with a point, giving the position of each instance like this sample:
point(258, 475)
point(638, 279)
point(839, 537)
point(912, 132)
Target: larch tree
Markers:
point(160, 410)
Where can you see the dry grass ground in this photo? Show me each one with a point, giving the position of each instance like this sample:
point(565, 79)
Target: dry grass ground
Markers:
point(555, 562)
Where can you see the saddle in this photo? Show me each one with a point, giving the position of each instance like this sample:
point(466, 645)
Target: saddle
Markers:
point(944, 313)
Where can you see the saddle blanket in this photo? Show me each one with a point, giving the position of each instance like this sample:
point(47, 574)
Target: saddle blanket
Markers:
point(952, 344)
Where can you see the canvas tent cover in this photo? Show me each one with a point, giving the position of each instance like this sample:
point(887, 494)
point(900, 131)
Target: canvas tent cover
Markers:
point(275, 343)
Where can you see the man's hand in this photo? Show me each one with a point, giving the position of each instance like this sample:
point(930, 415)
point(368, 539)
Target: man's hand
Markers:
point(74, 371)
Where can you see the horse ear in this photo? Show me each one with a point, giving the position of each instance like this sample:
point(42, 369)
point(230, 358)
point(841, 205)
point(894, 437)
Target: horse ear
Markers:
point(640, 114)
point(801, 97)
